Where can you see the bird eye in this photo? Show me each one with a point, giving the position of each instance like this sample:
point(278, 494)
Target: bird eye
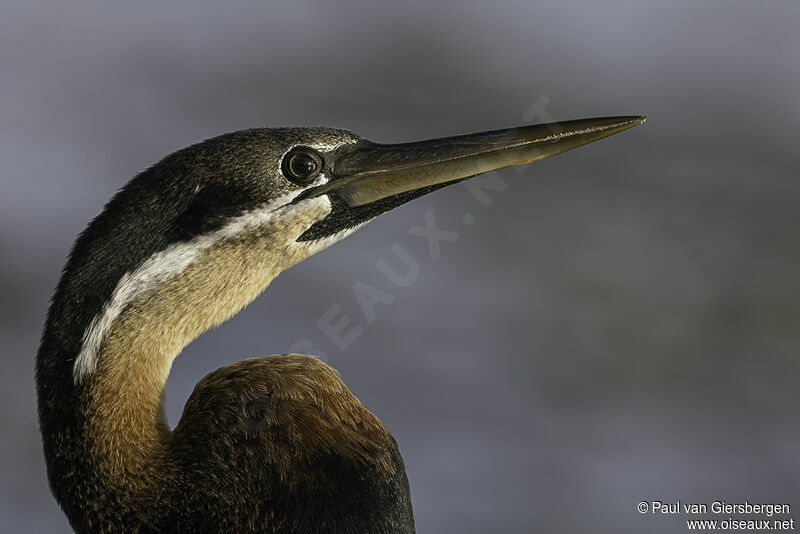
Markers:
point(301, 165)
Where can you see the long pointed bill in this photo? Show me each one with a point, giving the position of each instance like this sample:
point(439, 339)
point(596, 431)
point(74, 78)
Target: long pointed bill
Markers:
point(370, 178)
point(374, 172)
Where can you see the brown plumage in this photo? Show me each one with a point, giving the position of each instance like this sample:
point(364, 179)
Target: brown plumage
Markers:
point(293, 427)
point(277, 444)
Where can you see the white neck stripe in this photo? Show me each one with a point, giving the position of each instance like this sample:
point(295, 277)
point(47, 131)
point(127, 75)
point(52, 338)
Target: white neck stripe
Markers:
point(157, 269)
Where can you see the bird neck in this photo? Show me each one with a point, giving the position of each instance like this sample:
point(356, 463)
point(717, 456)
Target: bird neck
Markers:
point(127, 426)
point(111, 425)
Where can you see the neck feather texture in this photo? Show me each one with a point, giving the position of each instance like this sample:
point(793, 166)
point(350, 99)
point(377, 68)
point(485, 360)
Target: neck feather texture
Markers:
point(127, 428)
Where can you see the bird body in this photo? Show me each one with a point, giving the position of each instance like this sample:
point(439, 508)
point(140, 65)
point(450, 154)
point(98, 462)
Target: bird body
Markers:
point(275, 444)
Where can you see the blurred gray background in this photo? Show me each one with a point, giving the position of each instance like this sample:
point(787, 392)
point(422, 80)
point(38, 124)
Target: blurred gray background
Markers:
point(620, 324)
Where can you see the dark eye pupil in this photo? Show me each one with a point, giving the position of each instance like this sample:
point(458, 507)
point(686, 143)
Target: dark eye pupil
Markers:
point(302, 165)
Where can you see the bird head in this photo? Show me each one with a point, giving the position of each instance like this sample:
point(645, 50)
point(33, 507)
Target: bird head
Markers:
point(206, 229)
